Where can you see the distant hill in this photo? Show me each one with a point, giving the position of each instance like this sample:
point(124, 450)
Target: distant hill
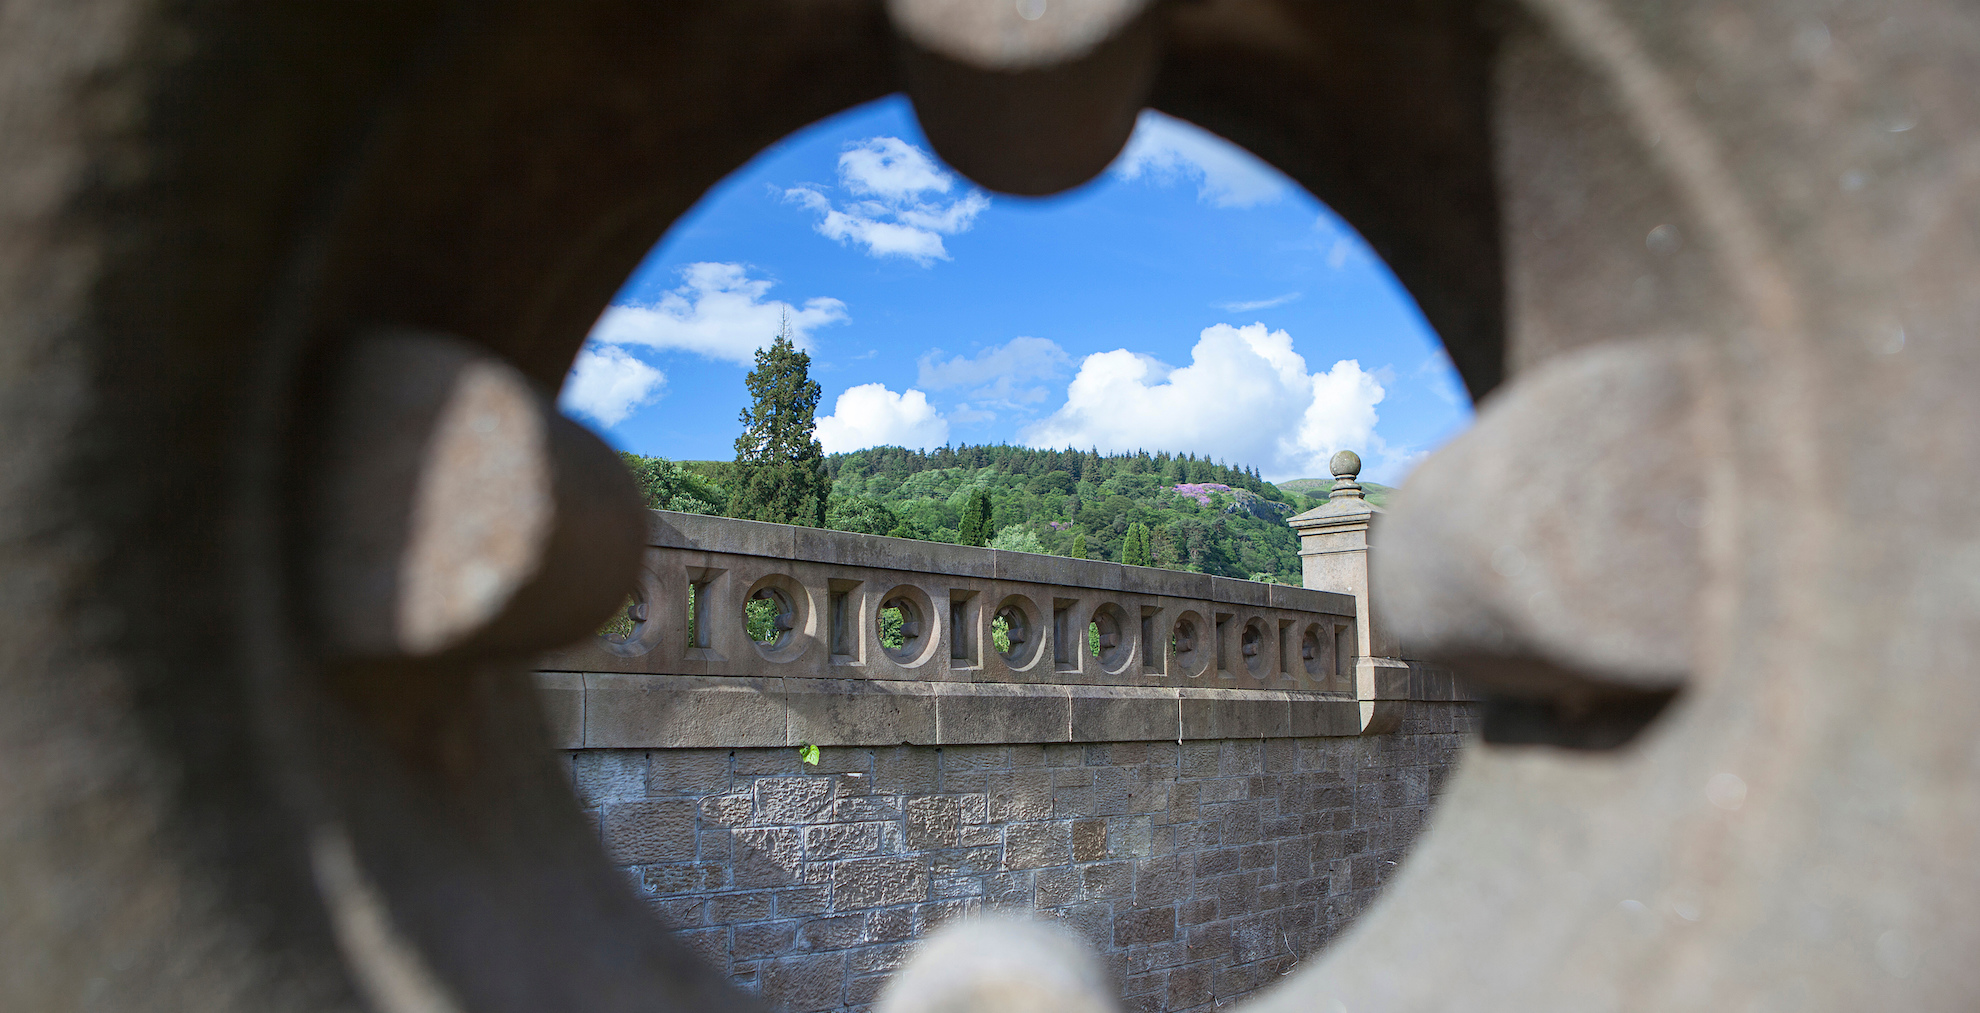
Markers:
point(1203, 516)
point(1376, 493)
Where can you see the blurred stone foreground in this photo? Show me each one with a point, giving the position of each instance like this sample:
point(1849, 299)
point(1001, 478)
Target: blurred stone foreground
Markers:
point(288, 519)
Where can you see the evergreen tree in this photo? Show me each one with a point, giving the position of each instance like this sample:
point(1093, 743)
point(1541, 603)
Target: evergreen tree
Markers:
point(1079, 545)
point(1162, 548)
point(780, 468)
point(1134, 547)
point(976, 525)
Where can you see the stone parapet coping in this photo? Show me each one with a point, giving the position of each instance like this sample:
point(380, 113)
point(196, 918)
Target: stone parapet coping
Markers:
point(630, 711)
point(956, 606)
point(700, 533)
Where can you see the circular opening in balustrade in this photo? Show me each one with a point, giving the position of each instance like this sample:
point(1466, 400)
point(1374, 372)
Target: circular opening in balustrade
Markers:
point(904, 625)
point(1015, 632)
point(1107, 638)
point(1313, 651)
point(1188, 646)
point(773, 614)
point(768, 615)
point(1252, 646)
point(635, 628)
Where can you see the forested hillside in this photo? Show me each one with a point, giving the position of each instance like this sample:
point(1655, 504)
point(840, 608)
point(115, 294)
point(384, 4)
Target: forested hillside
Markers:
point(1179, 512)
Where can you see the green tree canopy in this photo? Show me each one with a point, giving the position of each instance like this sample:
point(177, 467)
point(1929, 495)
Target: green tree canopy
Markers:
point(976, 529)
point(1134, 547)
point(1079, 545)
point(779, 473)
point(863, 514)
point(1015, 538)
point(668, 486)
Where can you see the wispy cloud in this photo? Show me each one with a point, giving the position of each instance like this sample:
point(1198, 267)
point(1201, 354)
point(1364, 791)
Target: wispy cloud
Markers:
point(1002, 373)
point(964, 415)
point(1167, 150)
point(719, 311)
point(1440, 374)
point(1338, 243)
point(898, 212)
point(1259, 304)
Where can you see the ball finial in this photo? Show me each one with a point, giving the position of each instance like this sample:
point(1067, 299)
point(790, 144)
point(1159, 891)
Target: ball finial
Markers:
point(1345, 464)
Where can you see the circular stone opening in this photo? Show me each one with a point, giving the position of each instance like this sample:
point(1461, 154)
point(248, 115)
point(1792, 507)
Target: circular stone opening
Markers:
point(1014, 632)
point(634, 629)
point(1313, 651)
point(1187, 645)
point(1252, 647)
point(770, 616)
point(1107, 639)
point(902, 625)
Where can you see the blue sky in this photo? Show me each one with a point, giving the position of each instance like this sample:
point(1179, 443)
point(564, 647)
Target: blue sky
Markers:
point(1191, 299)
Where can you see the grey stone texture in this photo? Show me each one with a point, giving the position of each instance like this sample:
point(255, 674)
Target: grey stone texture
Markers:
point(839, 581)
point(1200, 872)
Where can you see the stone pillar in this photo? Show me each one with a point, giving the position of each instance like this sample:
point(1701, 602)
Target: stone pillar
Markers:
point(1333, 549)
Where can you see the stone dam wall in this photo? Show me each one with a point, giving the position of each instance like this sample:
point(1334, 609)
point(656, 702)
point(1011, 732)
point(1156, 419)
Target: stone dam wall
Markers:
point(1201, 871)
point(1205, 778)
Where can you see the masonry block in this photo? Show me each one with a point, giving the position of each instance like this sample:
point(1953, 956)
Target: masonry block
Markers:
point(1161, 881)
point(832, 932)
point(833, 841)
point(1036, 845)
point(860, 712)
point(789, 800)
point(603, 777)
point(1057, 887)
point(562, 696)
point(768, 856)
point(804, 983)
point(1020, 796)
point(763, 939)
point(682, 711)
point(878, 882)
point(932, 821)
point(643, 833)
point(729, 908)
point(1089, 840)
point(1107, 881)
point(1145, 925)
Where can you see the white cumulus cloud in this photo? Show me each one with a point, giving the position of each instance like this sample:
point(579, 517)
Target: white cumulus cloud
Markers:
point(718, 311)
point(870, 415)
point(901, 208)
point(1167, 150)
point(1002, 373)
point(1246, 397)
point(607, 383)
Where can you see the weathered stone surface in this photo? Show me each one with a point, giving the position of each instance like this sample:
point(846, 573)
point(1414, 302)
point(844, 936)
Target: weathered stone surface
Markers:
point(645, 833)
point(878, 882)
point(860, 711)
point(624, 711)
point(206, 207)
point(1136, 845)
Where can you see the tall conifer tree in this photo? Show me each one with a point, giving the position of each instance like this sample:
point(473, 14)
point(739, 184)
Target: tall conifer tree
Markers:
point(780, 467)
point(977, 526)
point(1134, 546)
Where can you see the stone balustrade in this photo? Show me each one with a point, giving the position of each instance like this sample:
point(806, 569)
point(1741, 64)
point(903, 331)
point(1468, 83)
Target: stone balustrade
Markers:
point(990, 647)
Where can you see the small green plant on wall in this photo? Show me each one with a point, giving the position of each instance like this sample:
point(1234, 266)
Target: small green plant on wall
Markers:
point(808, 753)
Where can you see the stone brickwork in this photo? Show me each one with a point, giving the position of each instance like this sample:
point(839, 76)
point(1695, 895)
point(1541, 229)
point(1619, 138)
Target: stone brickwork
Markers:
point(1201, 871)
